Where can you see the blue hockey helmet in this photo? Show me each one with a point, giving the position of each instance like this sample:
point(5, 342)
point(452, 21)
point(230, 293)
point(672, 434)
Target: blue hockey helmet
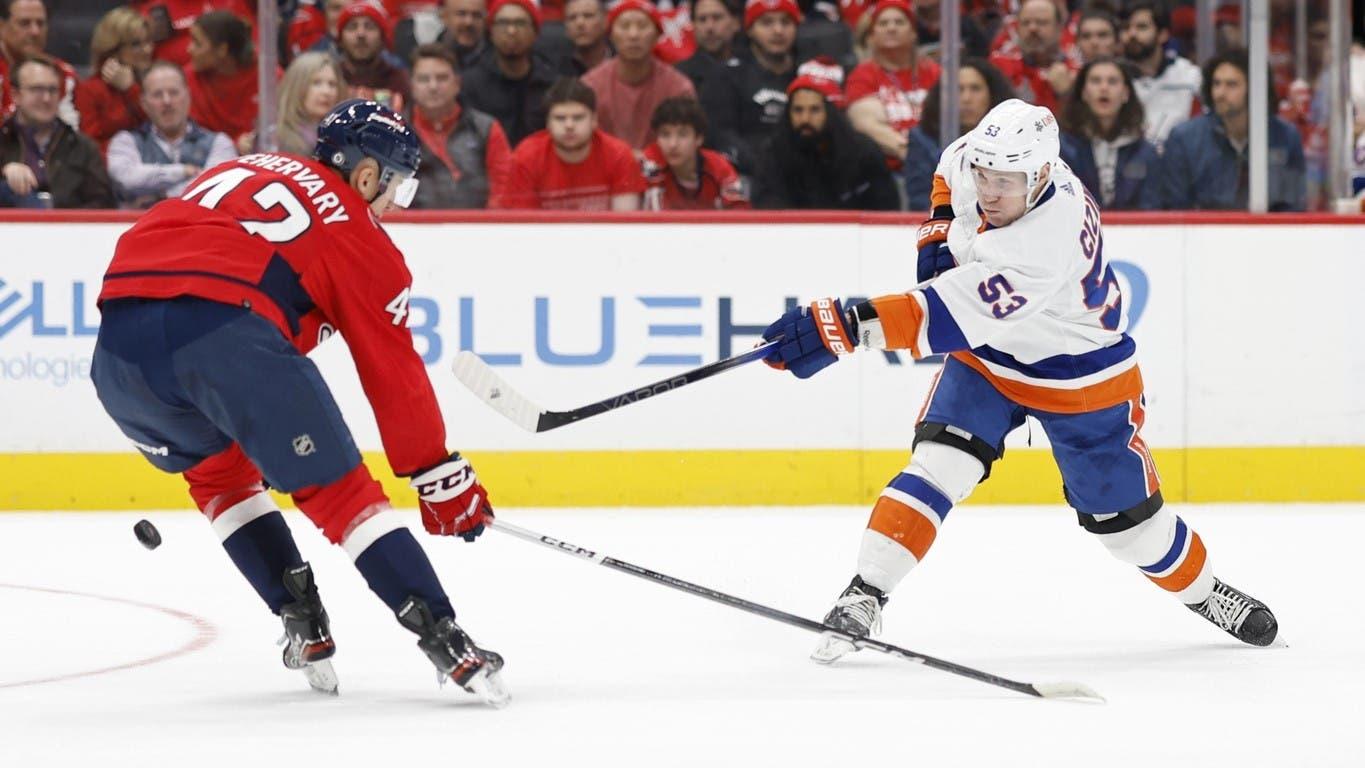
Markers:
point(358, 128)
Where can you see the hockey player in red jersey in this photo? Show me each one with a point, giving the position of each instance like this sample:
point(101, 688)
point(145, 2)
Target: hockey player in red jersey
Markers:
point(1016, 290)
point(209, 307)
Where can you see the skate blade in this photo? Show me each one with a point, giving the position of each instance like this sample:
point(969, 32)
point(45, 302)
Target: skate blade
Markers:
point(831, 649)
point(487, 684)
point(1067, 690)
point(321, 677)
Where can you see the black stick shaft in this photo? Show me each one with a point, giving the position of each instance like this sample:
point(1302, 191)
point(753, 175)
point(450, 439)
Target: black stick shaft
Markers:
point(761, 610)
point(552, 419)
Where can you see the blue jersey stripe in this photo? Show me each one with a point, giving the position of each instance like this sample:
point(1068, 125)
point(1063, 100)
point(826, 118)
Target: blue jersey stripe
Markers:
point(944, 333)
point(1061, 367)
point(913, 485)
point(1177, 547)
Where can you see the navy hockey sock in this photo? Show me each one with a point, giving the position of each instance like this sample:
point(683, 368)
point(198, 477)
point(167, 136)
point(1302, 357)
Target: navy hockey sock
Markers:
point(396, 568)
point(262, 550)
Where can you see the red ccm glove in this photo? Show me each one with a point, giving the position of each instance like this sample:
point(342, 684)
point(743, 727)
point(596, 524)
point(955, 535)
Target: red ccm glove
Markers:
point(453, 501)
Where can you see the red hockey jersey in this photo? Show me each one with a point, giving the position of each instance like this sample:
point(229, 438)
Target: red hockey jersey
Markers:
point(290, 240)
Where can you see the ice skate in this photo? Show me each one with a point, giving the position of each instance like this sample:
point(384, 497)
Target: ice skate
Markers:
point(1239, 614)
point(858, 611)
point(307, 639)
point(454, 654)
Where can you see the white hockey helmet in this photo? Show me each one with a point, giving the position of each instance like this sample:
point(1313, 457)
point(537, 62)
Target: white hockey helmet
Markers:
point(1015, 136)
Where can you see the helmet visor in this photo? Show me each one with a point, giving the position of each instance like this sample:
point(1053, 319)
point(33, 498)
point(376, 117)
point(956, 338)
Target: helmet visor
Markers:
point(405, 191)
point(999, 183)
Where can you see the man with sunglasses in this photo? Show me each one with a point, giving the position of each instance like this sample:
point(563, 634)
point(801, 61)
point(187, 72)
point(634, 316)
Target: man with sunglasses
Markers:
point(1016, 290)
point(210, 305)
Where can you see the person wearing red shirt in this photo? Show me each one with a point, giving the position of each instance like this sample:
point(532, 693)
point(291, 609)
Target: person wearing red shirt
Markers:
point(573, 164)
point(1040, 71)
point(681, 175)
point(23, 35)
point(632, 84)
point(466, 150)
point(222, 77)
point(209, 307)
point(170, 22)
point(885, 94)
point(120, 53)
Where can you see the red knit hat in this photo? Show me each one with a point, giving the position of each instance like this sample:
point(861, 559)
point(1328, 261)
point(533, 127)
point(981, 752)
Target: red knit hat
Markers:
point(647, 8)
point(888, 5)
point(755, 8)
point(356, 10)
point(530, 6)
point(823, 75)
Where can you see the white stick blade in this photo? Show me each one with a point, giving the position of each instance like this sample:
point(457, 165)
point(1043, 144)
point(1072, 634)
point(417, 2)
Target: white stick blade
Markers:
point(479, 378)
point(1068, 691)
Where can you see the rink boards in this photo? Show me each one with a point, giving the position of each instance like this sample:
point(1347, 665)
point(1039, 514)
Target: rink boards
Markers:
point(1247, 334)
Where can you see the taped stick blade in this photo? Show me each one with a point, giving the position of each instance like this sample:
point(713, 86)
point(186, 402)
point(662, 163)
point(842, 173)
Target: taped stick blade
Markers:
point(1068, 690)
point(479, 378)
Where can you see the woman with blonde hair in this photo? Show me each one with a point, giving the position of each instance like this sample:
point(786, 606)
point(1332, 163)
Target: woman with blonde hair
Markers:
point(311, 87)
point(109, 100)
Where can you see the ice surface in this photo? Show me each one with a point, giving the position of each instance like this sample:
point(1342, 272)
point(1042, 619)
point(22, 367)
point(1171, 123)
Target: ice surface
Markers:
point(606, 669)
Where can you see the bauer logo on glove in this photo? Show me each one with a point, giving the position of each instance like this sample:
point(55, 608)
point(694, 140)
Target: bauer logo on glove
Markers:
point(453, 502)
point(812, 338)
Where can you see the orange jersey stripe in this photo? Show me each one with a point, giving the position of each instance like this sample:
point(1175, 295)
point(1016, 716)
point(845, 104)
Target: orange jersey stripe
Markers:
point(901, 319)
point(1188, 571)
point(1120, 389)
point(940, 194)
point(904, 525)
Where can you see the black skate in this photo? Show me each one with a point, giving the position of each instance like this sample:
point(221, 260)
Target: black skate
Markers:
point(307, 640)
point(454, 653)
point(1239, 614)
point(858, 612)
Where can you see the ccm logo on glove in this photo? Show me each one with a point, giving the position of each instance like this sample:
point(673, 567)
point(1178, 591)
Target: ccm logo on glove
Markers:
point(452, 500)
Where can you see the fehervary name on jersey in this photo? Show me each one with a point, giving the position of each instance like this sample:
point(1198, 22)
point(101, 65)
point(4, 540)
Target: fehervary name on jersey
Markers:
point(312, 183)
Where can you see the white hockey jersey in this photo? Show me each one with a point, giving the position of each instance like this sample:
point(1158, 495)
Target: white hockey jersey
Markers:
point(1033, 306)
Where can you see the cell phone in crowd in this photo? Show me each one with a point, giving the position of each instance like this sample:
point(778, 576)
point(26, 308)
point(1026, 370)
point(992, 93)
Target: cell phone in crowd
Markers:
point(158, 23)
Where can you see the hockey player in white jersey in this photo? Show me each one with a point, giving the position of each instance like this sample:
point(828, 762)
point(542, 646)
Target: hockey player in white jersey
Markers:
point(1016, 290)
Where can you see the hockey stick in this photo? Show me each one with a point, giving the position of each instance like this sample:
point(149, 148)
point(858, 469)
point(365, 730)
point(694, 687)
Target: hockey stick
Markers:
point(1040, 690)
point(489, 387)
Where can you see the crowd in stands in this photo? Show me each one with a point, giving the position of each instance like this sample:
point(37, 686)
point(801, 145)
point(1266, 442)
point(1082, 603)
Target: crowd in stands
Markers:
point(694, 104)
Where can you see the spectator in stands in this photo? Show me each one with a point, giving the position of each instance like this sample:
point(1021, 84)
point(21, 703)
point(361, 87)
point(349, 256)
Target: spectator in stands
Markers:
point(1167, 84)
point(171, 21)
point(572, 164)
point(309, 89)
point(754, 89)
point(23, 35)
point(222, 77)
point(585, 23)
point(816, 160)
point(464, 30)
point(1039, 71)
point(1204, 164)
point(680, 174)
point(714, 27)
point(511, 83)
point(630, 85)
point(1097, 35)
point(362, 38)
point(980, 87)
point(110, 100)
point(465, 154)
point(886, 93)
point(44, 162)
point(929, 29)
point(1102, 138)
point(158, 159)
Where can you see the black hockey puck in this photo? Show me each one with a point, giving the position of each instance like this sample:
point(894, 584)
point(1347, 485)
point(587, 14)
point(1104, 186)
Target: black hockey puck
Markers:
point(147, 534)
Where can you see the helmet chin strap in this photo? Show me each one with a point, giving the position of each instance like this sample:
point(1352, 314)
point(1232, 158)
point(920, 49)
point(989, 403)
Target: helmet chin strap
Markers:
point(1036, 188)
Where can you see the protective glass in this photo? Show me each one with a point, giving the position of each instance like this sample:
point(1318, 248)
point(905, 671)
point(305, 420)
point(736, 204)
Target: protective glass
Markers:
point(1000, 183)
point(405, 191)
